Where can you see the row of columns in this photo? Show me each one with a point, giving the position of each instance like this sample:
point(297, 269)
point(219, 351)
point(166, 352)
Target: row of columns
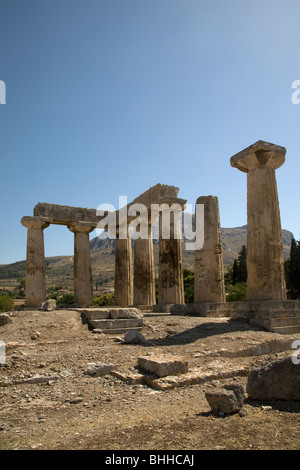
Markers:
point(266, 279)
point(134, 283)
point(35, 262)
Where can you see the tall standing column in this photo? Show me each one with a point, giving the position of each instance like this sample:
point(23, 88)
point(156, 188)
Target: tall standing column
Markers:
point(170, 283)
point(209, 270)
point(144, 275)
point(265, 265)
point(83, 289)
point(35, 285)
point(123, 273)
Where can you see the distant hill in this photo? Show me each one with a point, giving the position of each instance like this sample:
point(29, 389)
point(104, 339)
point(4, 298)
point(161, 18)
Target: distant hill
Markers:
point(59, 269)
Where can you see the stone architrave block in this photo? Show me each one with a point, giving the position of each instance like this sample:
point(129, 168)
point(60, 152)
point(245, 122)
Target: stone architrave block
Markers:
point(163, 364)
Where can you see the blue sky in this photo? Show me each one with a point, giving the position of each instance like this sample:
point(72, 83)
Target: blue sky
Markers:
point(109, 97)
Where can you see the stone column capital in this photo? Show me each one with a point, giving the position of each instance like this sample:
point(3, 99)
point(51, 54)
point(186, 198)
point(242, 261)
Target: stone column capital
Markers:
point(260, 154)
point(36, 222)
point(81, 227)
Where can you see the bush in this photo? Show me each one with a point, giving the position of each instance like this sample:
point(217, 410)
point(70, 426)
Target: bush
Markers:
point(237, 292)
point(66, 299)
point(6, 304)
point(104, 300)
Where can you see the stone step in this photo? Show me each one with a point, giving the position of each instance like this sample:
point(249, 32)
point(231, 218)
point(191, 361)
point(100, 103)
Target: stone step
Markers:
point(268, 314)
point(103, 313)
point(95, 314)
point(284, 321)
point(286, 329)
point(116, 323)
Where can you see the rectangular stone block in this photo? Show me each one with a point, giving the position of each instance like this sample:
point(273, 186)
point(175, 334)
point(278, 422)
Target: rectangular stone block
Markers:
point(94, 313)
point(163, 364)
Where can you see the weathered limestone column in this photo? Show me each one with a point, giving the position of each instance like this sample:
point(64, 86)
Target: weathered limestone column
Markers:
point(35, 285)
point(83, 289)
point(144, 274)
point(265, 265)
point(170, 283)
point(123, 272)
point(209, 270)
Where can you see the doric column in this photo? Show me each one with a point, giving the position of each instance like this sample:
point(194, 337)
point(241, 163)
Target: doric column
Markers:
point(123, 272)
point(209, 270)
point(144, 275)
point(83, 289)
point(35, 261)
point(170, 283)
point(265, 265)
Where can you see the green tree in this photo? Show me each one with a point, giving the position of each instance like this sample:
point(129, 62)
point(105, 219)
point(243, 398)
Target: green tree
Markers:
point(237, 292)
point(188, 283)
point(292, 270)
point(236, 278)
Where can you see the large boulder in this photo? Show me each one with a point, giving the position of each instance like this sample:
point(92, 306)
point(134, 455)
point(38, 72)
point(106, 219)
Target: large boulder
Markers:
point(228, 399)
point(4, 318)
point(134, 337)
point(278, 379)
point(48, 305)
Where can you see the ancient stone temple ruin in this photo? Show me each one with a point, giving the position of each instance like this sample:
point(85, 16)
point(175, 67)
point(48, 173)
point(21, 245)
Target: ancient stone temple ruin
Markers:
point(266, 303)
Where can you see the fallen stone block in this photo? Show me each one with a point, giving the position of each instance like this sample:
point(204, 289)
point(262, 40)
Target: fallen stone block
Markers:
point(134, 337)
point(163, 365)
point(37, 379)
point(275, 380)
point(4, 318)
point(228, 399)
point(94, 313)
point(98, 370)
point(117, 323)
point(193, 377)
point(131, 378)
point(48, 306)
point(128, 313)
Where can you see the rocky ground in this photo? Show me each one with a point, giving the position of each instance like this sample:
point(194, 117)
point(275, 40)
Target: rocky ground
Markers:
point(48, 402)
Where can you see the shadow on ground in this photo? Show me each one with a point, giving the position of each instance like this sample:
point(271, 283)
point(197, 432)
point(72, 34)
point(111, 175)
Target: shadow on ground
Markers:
point(202, 331)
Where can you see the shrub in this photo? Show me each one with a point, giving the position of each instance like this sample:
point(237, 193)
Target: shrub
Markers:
point(104, 300)
point(237, 292)
point(66, 299)
point(6, 304)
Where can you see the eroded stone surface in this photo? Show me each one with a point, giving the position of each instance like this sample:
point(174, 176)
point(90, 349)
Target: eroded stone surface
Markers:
point(265, 265)
point(209, 269)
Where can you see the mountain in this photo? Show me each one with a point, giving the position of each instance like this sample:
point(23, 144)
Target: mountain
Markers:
point(59, 269)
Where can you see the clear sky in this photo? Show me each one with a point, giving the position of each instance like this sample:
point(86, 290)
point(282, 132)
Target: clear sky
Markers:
point(106, 98)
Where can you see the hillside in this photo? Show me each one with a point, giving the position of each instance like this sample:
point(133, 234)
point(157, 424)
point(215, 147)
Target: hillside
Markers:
point(59, 269)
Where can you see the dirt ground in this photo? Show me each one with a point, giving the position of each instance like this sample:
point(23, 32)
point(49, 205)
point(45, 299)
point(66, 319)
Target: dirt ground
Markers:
point(68, 409)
